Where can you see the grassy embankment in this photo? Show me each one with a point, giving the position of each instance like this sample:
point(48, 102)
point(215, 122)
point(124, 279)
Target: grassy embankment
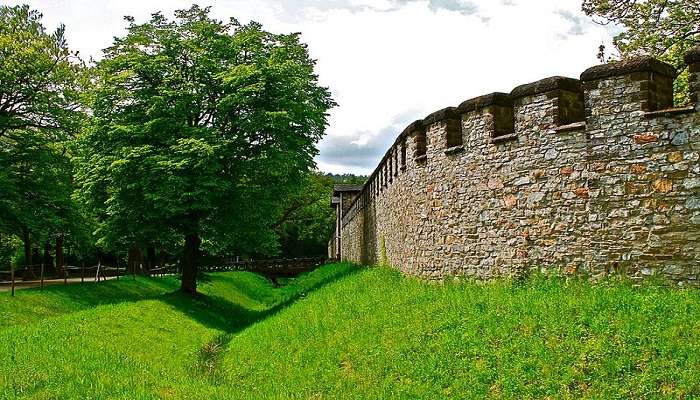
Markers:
point(347, 332)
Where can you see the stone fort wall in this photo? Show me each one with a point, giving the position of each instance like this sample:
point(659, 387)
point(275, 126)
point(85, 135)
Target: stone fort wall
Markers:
point(598, 175)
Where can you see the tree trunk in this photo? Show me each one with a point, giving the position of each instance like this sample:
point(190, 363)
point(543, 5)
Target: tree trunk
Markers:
point(189, 264)
point(151, 255)
point(36, 258)
point(161, 259)
point(134, 260)
point(59, 252)
point(27, 248)
point(46, 260)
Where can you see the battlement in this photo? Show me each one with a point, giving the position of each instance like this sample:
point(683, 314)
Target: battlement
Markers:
point(507, 162)
point(648, 80)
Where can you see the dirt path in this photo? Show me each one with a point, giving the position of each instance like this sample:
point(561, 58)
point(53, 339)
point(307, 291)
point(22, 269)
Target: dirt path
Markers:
point(6, 286)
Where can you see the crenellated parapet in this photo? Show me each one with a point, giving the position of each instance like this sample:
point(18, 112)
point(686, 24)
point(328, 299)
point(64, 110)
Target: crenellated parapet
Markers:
point(565, 96)
point(650, 80)
point(561, 173)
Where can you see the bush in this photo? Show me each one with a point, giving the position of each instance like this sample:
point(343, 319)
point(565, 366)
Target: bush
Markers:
point(10, 245)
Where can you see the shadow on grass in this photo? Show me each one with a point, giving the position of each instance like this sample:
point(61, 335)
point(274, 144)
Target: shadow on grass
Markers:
point(90, 294)
point(221, 314)
point(36, 304)
point(113, 291)
point(232, 318)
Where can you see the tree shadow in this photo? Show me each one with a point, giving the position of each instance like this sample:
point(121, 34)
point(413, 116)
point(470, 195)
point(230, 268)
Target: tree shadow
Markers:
point(220, 313)
point(35, 304)
point(90, 294)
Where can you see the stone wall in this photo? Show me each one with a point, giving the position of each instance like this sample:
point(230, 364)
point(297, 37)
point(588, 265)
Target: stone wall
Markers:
point(597, 175)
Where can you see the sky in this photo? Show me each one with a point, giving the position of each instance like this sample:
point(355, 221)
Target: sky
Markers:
point(386, 62)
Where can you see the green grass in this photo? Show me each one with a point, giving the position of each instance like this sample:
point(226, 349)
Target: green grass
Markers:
point(37, 304)
point(347, 332)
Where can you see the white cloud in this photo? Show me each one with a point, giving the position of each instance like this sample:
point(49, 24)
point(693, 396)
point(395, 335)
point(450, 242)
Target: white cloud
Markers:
point(387, 62)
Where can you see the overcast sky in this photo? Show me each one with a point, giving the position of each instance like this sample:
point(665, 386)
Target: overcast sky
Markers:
point(387, 62)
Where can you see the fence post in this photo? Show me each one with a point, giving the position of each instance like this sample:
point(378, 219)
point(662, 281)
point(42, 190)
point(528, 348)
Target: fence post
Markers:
point(42, 275)
point(97, 273)
point(82, 273)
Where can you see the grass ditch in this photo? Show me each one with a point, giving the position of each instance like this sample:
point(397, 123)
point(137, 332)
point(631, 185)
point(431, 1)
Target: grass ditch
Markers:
point(352, 333)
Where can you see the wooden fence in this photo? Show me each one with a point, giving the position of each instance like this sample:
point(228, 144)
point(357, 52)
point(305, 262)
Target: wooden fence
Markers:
point(38, 274)
point(272, 269)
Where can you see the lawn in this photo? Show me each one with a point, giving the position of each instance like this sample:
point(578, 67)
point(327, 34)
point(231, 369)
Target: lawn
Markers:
point(350, 332)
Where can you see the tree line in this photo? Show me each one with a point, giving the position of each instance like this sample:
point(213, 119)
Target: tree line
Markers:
point(188, 137)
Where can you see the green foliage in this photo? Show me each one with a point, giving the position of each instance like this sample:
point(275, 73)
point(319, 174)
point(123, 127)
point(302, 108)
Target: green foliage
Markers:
point(308, 219)
point(201, 128)
point(40, 79)
point(18, 258)
point(41, 82)
point(39, 174)
point(346, 332)
point(348, 179)
point(198, 128)
point(9, 245)
point(662, 28)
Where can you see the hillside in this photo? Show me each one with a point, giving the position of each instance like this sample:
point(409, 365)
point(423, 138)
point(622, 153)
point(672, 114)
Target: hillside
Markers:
point(348, 332)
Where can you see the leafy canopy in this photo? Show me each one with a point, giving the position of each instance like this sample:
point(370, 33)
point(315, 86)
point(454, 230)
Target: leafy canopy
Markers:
point(307, 221)
point(39, 76)
point(41, 82)
point(662, 28)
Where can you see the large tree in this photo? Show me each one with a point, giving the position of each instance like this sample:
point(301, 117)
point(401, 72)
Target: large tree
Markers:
point(201, 128)
point(662, 28)
point(41, 82)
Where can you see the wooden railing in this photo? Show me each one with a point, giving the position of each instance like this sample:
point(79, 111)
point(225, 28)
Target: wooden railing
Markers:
point(272, 269)
point(278, 268)
point(41, 272)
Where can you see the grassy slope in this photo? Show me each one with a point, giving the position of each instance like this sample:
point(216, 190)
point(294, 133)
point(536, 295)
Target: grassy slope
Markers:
point(35, 305)
point(127, 339)
point(377, 334)
point(366, 334)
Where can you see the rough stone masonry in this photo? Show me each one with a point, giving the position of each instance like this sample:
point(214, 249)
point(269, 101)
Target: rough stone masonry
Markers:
point(598, 175)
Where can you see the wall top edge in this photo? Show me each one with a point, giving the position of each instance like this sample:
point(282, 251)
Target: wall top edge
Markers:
point(440, 115)
point(495, 98)
point(547, 85)
point(618, 68)
point(413, 126)
point(628, 66)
